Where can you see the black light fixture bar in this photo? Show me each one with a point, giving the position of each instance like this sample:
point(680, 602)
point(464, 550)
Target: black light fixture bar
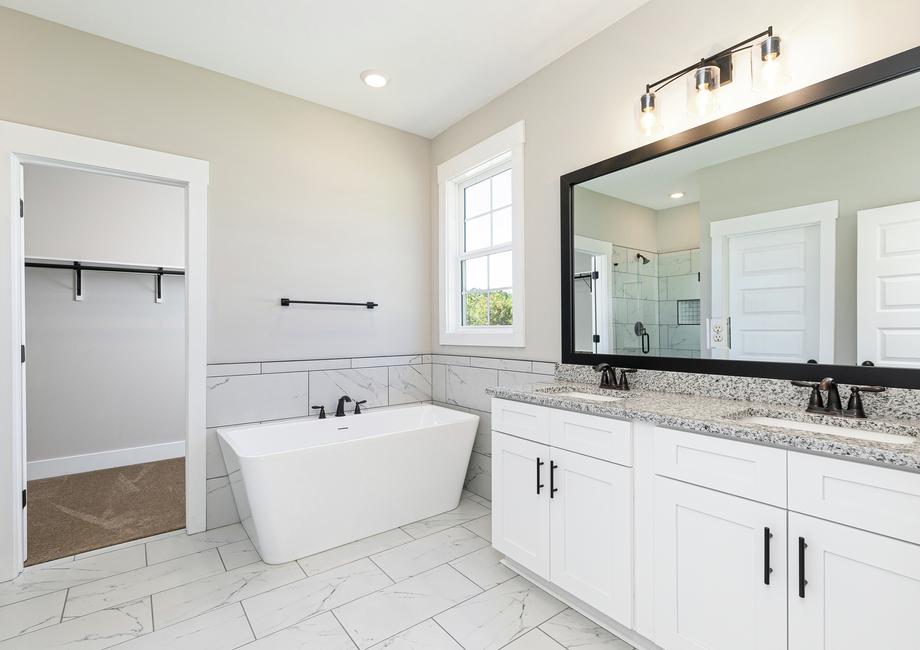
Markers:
point(286, 302)
point(737, 47)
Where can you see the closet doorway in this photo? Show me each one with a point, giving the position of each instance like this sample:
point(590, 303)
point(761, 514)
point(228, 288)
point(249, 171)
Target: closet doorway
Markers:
point(105, 381)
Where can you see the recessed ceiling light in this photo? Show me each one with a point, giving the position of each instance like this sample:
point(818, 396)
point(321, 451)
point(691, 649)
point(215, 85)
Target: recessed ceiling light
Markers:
point(677, 195)
point(375, 78)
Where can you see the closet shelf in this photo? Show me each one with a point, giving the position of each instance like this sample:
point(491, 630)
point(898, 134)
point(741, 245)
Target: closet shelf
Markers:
point(78, 267)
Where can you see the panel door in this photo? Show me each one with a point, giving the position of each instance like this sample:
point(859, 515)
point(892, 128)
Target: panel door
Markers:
point(520, 501)
point(774, 295)
point(720, 570)
point(591, 532)
point(852, 590)
point(888, 286)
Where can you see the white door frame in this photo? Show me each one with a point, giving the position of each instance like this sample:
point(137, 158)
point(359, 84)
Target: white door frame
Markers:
point(20, 143)
point(604, 250)
point(823, 215)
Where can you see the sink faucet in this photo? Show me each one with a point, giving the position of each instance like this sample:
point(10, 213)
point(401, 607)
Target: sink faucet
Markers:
point(833, 406)
point(609, 379)
point(340, 407)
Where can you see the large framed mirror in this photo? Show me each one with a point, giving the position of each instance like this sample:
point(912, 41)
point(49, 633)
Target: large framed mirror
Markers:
point(781, 241)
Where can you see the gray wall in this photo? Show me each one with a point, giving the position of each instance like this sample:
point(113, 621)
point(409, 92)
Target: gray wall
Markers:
point(581, 108)
point(304, 201)
point(865, 166)
point(604, 217)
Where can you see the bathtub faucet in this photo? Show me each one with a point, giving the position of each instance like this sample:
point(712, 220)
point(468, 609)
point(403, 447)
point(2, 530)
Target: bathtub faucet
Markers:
point(340, 407)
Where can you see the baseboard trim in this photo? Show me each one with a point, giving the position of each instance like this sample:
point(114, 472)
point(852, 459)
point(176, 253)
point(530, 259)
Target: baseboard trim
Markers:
point(38, 469)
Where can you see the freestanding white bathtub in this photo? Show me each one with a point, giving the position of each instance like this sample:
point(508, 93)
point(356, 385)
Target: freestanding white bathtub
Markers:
point(305, 486)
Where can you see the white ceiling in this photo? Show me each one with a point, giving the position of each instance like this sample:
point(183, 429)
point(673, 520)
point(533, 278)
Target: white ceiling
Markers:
point(445, 59)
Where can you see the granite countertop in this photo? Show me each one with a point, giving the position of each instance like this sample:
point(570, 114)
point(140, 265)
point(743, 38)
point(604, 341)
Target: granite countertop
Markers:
point(721, 417)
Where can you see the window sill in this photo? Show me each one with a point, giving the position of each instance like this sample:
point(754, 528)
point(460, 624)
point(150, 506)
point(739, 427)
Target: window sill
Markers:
point(486, 337)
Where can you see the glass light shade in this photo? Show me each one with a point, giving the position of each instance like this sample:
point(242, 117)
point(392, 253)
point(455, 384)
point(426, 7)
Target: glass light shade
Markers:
point(702, 91)
point(647, 118)
point(769, 71)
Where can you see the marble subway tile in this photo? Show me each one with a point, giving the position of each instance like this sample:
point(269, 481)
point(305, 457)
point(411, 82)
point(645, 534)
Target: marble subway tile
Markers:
point(321, 632)
point(30, 615)
point(484, 568)
point(219, 503)
point(357, 550)
point(371, 384)
point(482, 443)
point(292, 603)
point(573, 630)
point(214, 458)
point(427, 635)
point(467, 510)
point(676, 263)
point(467, 386)
point(202, 596)
point(508, 378)
point(496, 617)
point(428, 552)
point(55, 576)
point(102, 629)
point(450, 359)
point(501, 364)
point(481, 526)
point(271, 367)
point(172, 547)
point(408, 384)
point(256, 398)
point(125, 587)
point(238, 554)
point(439, 382)
point(373, 362)
point(683, 287)
point(223, 629)
point(544, 367)
point(479, 475)
point(375, 618)
point(232, 369)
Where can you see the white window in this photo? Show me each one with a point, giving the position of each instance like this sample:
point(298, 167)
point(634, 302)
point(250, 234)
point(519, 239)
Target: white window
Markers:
point(482, 247)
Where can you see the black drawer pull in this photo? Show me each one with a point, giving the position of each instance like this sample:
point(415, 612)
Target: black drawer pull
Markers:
point(540, 464)
point(767, 535)
point(802, 580)
point(552, 479)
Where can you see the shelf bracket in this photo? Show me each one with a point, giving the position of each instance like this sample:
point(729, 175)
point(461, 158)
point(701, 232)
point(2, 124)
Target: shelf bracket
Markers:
point(77, 282)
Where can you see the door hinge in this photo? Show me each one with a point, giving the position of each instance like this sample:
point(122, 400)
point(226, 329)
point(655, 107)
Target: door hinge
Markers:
point(22, 349)
point(25, 499)
point(21, 208)
point(596, 338)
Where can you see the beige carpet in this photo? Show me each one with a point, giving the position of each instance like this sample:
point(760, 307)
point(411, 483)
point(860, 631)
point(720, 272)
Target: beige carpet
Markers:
point(82, 512)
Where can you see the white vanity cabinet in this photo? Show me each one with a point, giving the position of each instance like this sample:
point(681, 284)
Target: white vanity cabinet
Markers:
point(565, 516)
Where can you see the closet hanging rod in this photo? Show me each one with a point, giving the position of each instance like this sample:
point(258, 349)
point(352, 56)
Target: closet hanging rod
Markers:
point(97, 267)
point(285, 302)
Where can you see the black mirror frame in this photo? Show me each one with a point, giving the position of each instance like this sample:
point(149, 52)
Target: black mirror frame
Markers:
point(887, 69)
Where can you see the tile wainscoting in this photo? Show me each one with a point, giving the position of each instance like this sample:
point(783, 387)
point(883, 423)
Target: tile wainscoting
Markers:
point(249, 393)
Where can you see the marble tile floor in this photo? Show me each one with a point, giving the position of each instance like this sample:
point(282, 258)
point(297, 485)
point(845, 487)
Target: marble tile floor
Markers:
point(434, 584)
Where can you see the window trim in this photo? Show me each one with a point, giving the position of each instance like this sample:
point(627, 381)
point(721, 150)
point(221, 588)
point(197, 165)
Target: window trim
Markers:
point(504, 150)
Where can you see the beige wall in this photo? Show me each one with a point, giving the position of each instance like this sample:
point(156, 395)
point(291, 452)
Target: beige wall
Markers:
point(679, 228)
point(603, 217)
point(580, 109)
point(305, 201)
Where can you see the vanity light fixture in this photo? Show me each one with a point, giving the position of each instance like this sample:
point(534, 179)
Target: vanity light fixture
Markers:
point(375, 78)
point(706, 76)
point(677, 195)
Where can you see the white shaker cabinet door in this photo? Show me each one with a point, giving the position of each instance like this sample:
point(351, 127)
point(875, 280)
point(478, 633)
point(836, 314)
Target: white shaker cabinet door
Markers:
point(591, 532)
point(720, 570)
point(849, 589)
point(520, 501)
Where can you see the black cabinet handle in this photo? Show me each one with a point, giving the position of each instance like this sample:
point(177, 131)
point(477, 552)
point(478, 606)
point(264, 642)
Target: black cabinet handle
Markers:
point(767, 535)
point(802, 580)
point(540, 464)
point(552, 479)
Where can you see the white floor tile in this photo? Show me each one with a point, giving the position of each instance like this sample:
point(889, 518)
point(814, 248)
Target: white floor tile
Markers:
point(427, 635)
point(379, 616)
point(102, 629)
point(124, 587)
point(238, 554)
point(500, 615)
point(179, 545)
point(201, 596)
point(279, 608)
point(223, 629)
point(354, 551)
point(321, 632)
point(428, 552)
point(481, 526)
point(136, 542)
point(30, 615)
point(573, 630)
point(467, 510)
point(54, 576)
point(484, 568)
point(534, 640)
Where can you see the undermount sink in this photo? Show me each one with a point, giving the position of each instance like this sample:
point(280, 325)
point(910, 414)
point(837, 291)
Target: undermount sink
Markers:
point(843, 432)
point(589, 396)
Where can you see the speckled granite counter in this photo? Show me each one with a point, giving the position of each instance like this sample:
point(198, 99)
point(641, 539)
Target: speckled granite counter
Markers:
point(721, 417)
